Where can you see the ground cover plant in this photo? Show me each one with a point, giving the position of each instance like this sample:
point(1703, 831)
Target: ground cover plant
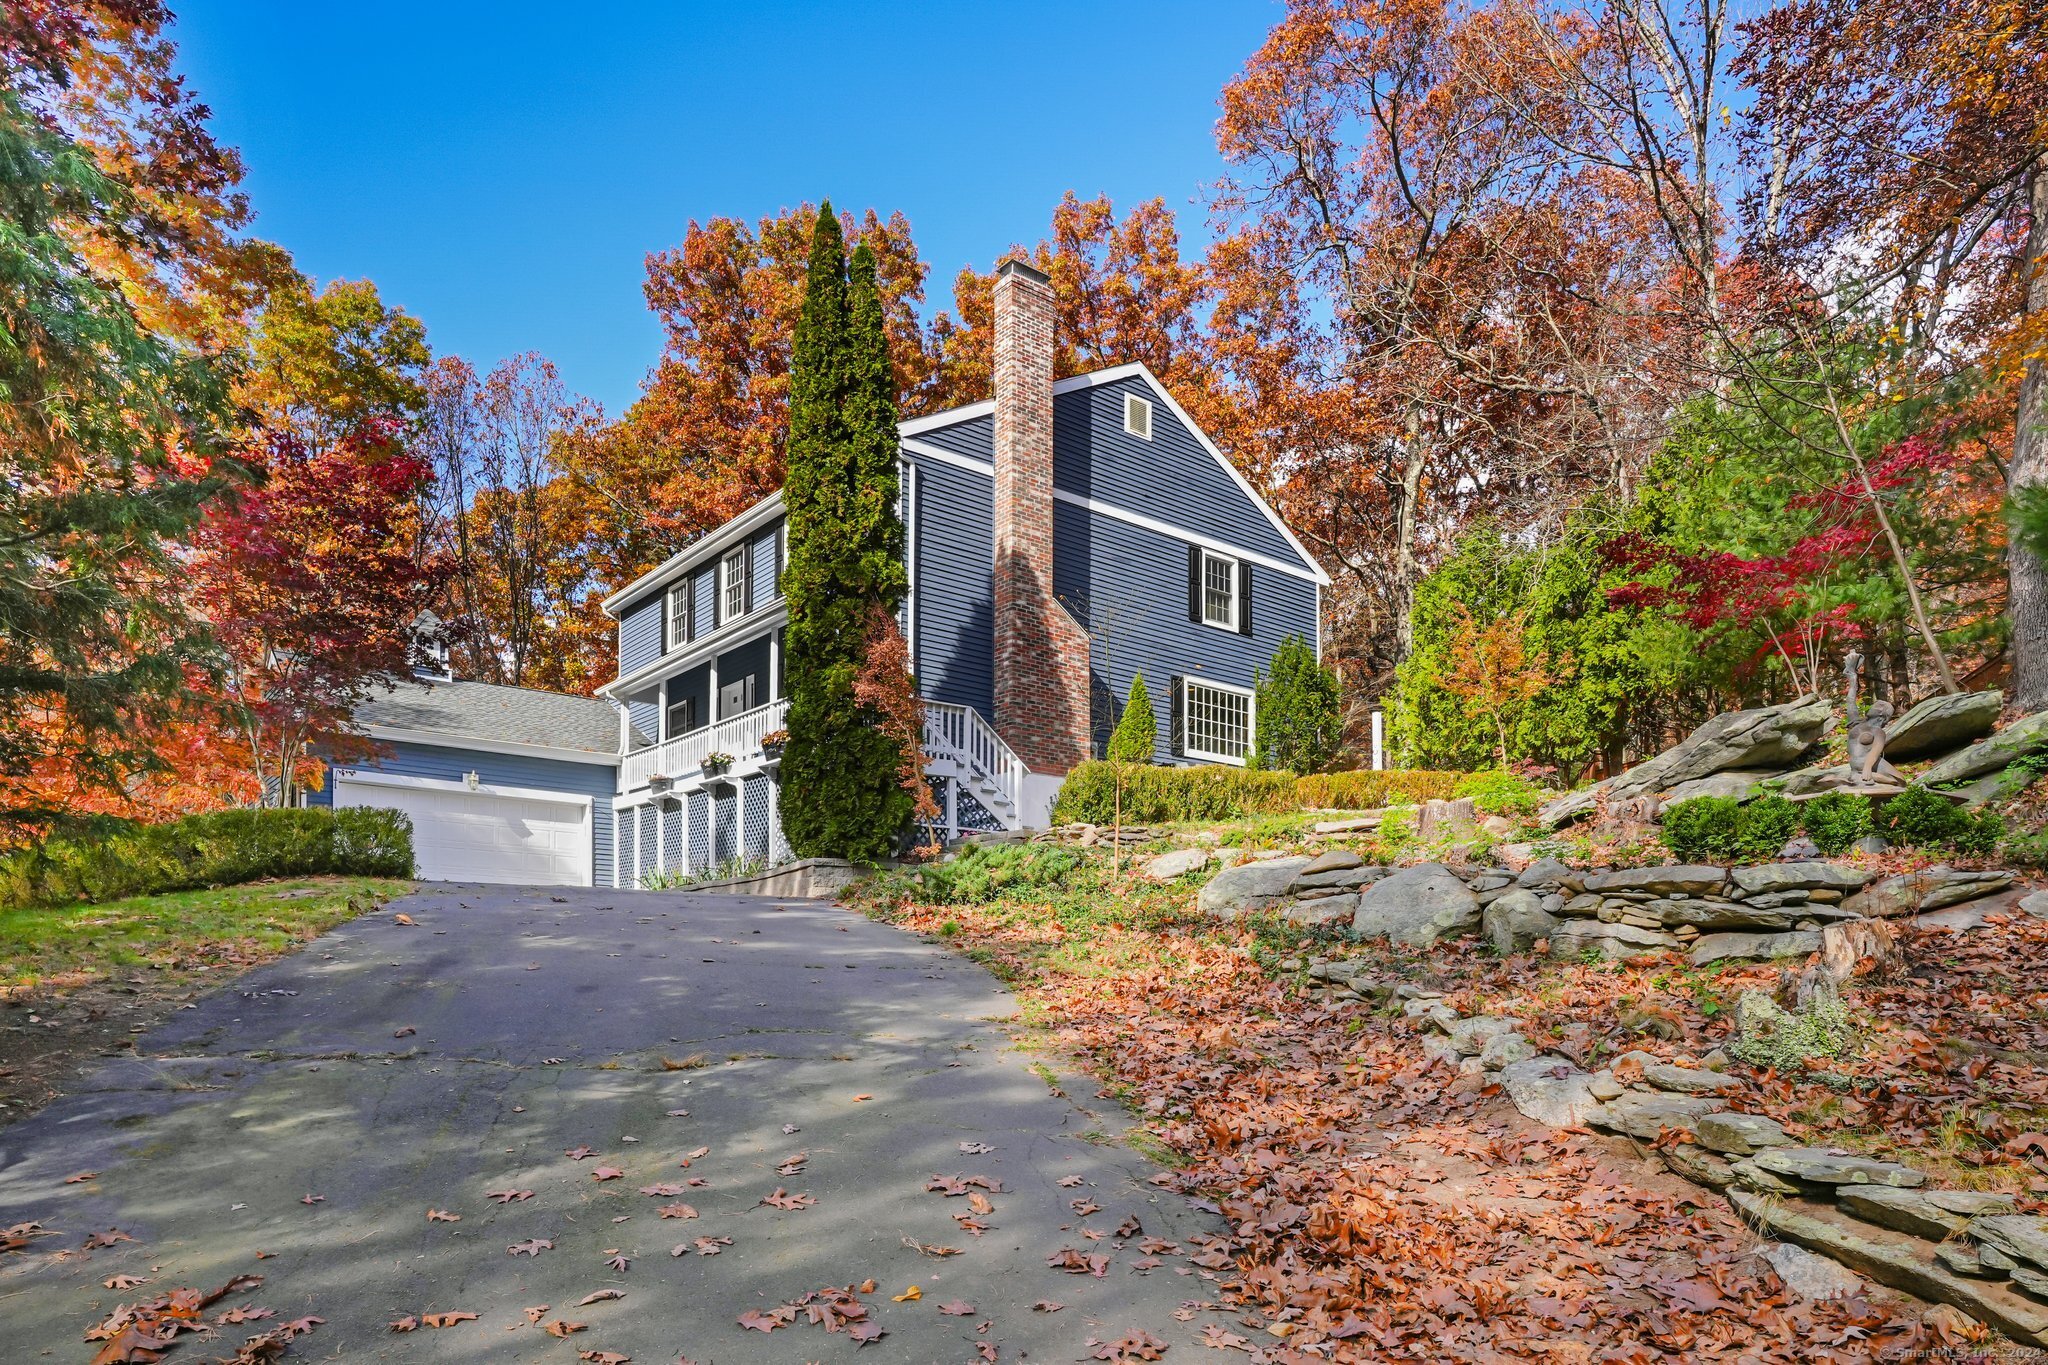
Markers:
point(1387, 1210)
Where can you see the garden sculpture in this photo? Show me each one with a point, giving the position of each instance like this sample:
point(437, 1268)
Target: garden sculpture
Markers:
point(1867, 735)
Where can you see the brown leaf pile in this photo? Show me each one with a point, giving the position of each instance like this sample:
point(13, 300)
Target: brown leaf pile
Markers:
point(1383, 1210)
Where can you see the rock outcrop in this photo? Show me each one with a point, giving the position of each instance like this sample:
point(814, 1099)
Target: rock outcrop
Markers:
point(2014, 742)
point(1766, 737)
point(1943, 724)
point(1417, 906)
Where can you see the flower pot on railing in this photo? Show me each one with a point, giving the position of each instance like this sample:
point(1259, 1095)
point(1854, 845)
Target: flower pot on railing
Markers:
point(716, 765)
point(773, 743)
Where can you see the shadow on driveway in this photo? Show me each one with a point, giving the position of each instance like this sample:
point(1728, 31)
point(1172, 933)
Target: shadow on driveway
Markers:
point(389, 1069)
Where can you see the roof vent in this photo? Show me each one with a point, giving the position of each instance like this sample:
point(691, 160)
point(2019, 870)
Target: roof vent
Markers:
point(1138, 416)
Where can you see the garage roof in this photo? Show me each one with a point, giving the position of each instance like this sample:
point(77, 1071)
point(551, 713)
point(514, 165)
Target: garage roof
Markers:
point(503, 715)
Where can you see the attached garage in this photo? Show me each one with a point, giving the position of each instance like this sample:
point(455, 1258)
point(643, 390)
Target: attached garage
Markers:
point(483, 833)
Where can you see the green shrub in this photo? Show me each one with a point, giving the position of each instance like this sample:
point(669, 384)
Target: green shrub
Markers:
point(1299, 709)
point(1136, 738)
point(985, 872)
point(1836, 821)
point(1917, 818)
point(1765, 826)
point(1723, 827)
point(1369, 788)
point(103, 859)
point(1210, 792)
point(1498, 792)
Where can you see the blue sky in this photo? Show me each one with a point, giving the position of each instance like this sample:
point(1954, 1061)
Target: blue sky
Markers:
point(502, 169)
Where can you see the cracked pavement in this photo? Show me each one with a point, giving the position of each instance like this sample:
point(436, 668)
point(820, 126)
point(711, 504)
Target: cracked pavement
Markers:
point(391, 1069)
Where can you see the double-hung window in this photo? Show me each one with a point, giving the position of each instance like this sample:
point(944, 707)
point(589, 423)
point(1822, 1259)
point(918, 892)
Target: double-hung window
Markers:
point(676, 617)
point(1219, 591)
point(732, 585)
point(1218, 721)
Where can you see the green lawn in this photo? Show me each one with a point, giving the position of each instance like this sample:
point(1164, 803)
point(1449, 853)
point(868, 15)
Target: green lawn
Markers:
point(237, 926)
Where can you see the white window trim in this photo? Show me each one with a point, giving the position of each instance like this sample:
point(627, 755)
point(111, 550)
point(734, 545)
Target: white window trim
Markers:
point(674, 638)
point(1133, 403)
point(1187, 720)
point(1236, 578)
point(732, 572)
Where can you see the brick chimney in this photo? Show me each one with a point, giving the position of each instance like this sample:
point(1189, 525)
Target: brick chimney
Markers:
point(1041, 651)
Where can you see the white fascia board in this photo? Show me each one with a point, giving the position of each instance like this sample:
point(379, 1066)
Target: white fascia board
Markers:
point(764, 620)
point(933, 422)
point(370, 777)
point(705, 548)
point(444, 739)
point(1318, 572)
point(967, 412)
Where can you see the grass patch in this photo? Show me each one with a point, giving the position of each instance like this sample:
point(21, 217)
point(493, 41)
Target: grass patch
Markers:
point(75, 945)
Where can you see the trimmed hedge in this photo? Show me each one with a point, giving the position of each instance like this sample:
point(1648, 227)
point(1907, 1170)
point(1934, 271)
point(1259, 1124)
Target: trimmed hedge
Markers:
point(106, 859)
point(1155, 794)
point(1220, 792)
point(1369, 788)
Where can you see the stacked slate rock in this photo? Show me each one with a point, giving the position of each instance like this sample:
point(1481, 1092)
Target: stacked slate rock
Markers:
point(1774, 748)
point(1710, 914)
point(1967, 1248)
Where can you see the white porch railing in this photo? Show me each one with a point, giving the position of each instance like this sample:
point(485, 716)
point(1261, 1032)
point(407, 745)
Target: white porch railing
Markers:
point(738, 735)
point(988, 766)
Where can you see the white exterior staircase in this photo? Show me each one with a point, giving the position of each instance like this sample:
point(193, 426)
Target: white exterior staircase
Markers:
point(962, 745)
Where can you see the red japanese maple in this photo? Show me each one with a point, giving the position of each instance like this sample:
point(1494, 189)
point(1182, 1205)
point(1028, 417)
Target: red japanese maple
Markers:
point(313, 581)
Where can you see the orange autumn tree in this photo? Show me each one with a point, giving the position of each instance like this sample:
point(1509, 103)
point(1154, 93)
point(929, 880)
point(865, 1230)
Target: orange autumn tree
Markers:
point(884, 688)
point(1494, 670)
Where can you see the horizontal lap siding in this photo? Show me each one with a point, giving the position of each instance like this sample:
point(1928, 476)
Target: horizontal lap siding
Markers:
point(766, 566)
point(975, 438)
point(1129, 586)
point(640, 635)
point(695, 683)
point(704, 600)
point(1169, 478)
point(954, 599)
point(448, 763)
point(734, 664)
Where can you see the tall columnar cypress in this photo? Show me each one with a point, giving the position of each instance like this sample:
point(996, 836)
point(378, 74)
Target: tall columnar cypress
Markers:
point(840, 796)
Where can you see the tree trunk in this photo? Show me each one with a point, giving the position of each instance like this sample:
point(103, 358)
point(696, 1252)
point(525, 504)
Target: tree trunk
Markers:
point(2027, 575)
point(1412, 450)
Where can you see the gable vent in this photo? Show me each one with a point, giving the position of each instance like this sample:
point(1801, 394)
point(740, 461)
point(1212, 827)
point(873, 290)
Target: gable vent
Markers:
point(1138, 416)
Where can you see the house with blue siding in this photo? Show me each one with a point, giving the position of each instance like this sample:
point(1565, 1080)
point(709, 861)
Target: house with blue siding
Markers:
point(1061, 537)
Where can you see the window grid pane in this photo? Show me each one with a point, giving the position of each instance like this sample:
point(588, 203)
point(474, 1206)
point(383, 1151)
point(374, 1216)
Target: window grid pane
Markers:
point(735, 585)
point(1219, 591)
point(678, 616)
point(1219, 722)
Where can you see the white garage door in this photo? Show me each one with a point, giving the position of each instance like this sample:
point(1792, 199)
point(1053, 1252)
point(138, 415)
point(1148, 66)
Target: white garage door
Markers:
point(524, 838)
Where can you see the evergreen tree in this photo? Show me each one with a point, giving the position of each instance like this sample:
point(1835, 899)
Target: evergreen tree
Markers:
point(1137, 731)
point(104, 432)
point(1299, 721)
point(840, 794)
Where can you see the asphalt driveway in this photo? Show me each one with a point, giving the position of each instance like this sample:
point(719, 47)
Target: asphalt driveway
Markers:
point(302, 1123)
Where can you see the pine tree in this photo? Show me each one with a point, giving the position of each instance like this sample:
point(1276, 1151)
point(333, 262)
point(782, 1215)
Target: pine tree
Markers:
point(1298, 717)
point(1137, 730)
point(840, 795)
point(105, 430)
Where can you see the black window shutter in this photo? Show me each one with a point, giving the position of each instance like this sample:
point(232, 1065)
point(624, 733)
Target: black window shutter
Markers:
point(747, 571)
point(1244, 597)
point(781, 530)
point(1195, 584)
point(1176, 729)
